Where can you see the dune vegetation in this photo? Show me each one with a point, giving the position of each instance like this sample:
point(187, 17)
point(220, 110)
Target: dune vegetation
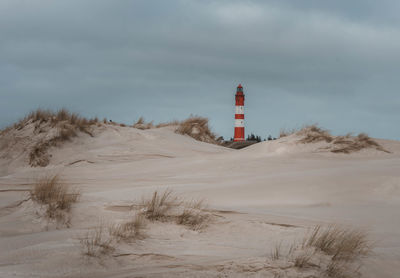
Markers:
point(56, 196)
point(337, 144)
point(167, 206)
point(334, 251)
point(163, 206)
point(53, 128)
point(97, 242)
point(195, 126)
point(130, 230)
point(50, 129)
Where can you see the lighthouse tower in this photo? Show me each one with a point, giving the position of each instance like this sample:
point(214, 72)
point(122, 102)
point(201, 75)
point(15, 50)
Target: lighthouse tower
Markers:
point(239, 115)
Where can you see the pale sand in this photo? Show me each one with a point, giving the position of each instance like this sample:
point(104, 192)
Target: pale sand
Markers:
point(266, 194)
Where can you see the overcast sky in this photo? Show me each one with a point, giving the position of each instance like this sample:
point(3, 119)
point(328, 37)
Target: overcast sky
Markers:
point(336, 63)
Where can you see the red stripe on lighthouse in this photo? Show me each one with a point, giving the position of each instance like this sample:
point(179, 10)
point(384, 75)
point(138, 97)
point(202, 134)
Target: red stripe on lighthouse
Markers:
point(239, 114)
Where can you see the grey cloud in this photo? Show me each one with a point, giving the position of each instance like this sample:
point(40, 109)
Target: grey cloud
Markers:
point(300, 61)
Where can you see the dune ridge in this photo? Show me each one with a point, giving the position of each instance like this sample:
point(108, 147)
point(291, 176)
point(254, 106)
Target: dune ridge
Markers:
point(262, 202)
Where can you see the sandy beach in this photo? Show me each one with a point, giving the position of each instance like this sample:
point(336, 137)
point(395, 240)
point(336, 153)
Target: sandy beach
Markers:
point(270, 193)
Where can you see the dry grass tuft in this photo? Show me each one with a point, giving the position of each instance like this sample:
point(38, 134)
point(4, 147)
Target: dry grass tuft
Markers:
point(197, 204)
point(129, 231)
point(66, 133)
point(57, 196)
point(61, 116)
point(197, 128)
point(347, 144)
point(67, 124)
point(286, 132)
point(303, 259)
point(140, 121)
point(276, 253)
point(193, 219)
point(341, 243)
point(333, 251)
point(167, 206)
point(339, 144)
point(141, 124)
point(171, 123)
point(96, 243)
point(160, 204)
point(38, 155)
point(313, 133)
point(337, 269)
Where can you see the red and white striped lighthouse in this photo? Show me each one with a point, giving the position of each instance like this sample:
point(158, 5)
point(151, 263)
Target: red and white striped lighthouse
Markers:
point(239, 114)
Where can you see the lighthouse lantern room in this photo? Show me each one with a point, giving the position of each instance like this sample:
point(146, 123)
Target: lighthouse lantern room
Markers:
point(239, 114)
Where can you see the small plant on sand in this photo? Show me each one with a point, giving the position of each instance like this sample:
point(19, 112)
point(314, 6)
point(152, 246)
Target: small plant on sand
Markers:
point(341, 243)
point(66, 132)
point(57, 196)
point(197, 128)
point(347, 144)
point(96, 243)
point(286, 132)
point(131, 230)
point(193, 219)
point(171, 123)
point(167, 206)
point(276, 253)
point(159, 205)
point(340, 269)
point(303, 258)
point(197, 204)
point(313, 133)
point(332, 251)
point(140, 121)
point(141, 124)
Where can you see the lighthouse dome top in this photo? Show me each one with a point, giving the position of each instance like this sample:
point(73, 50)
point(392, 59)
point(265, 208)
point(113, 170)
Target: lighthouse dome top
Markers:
point(239, 89)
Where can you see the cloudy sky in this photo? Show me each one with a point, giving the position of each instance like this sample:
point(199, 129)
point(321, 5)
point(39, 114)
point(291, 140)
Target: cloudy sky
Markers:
point(336, 63)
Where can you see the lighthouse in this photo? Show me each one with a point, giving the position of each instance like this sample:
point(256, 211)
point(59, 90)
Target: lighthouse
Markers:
point(239, 114)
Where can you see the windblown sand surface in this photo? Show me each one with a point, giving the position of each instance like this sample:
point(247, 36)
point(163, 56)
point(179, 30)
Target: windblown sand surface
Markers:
point(267, 194)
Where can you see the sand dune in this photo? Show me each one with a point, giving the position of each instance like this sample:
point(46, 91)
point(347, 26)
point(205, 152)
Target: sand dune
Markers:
point(269, 193)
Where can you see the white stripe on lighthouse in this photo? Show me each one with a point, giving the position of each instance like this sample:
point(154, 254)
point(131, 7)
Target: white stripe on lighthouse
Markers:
point(239, 109)
point(239, 123)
